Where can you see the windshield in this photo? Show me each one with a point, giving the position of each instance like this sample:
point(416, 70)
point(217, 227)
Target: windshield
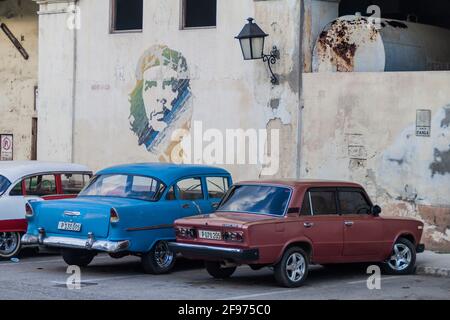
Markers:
point(256, 199)
point(4, 184)
point(124, 186)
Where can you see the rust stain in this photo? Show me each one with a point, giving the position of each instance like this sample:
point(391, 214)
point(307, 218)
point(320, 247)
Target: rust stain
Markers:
point(338, 45)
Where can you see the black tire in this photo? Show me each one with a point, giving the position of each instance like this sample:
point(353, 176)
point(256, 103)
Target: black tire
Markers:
point(159, 260)
point(297, 278)
point(406, 254)
point(216, 271)
point(10, 244)
point(74, 257)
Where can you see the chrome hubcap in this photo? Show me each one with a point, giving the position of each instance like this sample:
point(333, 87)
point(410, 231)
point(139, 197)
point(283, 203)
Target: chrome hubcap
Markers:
point(8, 242)
point(163, 255)
point(295, 267)
point(401, 257)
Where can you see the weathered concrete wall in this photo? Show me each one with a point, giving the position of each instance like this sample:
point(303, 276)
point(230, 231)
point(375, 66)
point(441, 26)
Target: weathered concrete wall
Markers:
point(56, 87)
point(361, 127)
point(18, 76)
point(218, 87)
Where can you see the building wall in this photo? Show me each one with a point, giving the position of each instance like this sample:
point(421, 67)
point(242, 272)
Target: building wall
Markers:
point(361, 127)
point(18, 76)
point(227, 92)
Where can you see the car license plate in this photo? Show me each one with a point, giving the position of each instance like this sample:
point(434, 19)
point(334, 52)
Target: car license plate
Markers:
point(69, 226)
point(211, 235)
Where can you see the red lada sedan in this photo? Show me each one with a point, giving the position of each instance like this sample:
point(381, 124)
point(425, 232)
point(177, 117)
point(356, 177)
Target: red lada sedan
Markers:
point(289, 225)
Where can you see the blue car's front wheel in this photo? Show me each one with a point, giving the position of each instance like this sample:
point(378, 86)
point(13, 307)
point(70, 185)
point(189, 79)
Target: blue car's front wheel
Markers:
point(158, 260)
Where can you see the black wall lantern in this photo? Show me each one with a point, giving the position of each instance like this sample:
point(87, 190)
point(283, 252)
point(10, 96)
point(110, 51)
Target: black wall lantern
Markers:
point(251, 39)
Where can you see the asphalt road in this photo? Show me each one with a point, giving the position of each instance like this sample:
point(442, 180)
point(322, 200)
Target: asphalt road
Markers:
point(44, 277)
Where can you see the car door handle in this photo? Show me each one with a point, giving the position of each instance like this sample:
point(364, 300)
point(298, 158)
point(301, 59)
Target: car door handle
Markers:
point(308, 224)
point(185, 206)
point(348, 223)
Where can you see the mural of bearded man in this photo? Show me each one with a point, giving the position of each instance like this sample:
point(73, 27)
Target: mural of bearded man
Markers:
point(161, 101)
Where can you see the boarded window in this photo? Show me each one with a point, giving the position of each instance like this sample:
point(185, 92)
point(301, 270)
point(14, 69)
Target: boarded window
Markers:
point(127, 15)
point(199, 13)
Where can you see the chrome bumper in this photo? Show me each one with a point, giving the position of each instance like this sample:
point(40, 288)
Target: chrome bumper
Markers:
point(75, 243)
point(214, 253)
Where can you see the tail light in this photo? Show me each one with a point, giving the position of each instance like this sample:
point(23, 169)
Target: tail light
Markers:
point(113, 216)
point(28, 210)
point(233, 236)
point(187, 233)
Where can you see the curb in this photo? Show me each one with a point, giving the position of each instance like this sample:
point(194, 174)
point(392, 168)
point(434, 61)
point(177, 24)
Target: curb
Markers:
point(433, 271)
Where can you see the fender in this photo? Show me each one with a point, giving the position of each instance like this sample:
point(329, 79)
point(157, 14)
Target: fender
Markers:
point(159, 239)
point(19, 225)
point(296, 240)
point(398, 235)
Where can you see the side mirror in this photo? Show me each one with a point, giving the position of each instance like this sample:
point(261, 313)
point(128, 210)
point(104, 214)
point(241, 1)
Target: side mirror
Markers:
point(376, 210)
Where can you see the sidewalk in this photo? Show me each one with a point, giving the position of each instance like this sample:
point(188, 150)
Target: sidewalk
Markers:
point(433, 264)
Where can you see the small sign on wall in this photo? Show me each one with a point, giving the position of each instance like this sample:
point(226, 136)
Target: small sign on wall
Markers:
point(6, 147)
point(423, 123)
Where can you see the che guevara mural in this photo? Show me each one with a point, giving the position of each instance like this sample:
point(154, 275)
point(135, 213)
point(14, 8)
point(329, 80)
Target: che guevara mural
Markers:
point(161, 101)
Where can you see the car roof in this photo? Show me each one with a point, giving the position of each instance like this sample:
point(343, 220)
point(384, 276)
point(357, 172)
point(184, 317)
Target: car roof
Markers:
point(15, 170)
point(309, 183)
point(166, 172)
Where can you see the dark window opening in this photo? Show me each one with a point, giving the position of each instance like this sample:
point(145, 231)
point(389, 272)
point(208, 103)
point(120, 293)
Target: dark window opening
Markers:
point(199, 13)
point(353, 202)
point(323, 202)
point(127, 15)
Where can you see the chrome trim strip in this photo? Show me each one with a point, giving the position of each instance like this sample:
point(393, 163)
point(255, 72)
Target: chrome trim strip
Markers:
point(196, 246)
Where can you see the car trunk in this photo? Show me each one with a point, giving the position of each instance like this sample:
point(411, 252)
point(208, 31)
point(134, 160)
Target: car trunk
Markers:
point(65, 217)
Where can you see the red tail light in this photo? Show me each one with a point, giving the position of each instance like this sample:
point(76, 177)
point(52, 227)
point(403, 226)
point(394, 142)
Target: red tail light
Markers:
point(113, 216)
point(28, 210)
point(188, 233)
point(236, 236)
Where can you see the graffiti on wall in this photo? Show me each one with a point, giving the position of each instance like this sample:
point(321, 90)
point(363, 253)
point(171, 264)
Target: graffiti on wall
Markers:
point(162, 99)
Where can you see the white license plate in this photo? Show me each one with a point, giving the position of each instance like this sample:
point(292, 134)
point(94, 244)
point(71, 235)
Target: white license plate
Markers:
point(69, 226)
point(211, 235)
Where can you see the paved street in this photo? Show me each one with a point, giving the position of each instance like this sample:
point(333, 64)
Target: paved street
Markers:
point(44, 277)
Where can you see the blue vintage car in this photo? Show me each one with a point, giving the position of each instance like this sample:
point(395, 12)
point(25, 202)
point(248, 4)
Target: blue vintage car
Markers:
point(127, 210)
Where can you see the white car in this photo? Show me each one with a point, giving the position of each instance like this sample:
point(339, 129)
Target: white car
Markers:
point(24, 180)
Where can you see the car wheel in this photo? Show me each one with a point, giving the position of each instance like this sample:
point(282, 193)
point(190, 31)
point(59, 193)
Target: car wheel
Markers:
point(217, 271)
point(159, 260)
point(402, 259)
point(81, 258)
point(292, 270)
point(10, 243)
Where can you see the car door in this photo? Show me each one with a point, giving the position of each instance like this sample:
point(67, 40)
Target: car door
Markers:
point(363, 233)
point(321, 223)
point(189, 192)
point(216, 187)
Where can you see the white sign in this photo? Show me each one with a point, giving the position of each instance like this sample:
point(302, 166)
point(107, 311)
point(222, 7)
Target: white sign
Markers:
point(423, 123)
point(6, 147)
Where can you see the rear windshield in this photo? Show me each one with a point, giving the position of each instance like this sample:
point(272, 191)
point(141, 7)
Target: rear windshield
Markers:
point(124, 186)
point(256, 199)
point(4, 184)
